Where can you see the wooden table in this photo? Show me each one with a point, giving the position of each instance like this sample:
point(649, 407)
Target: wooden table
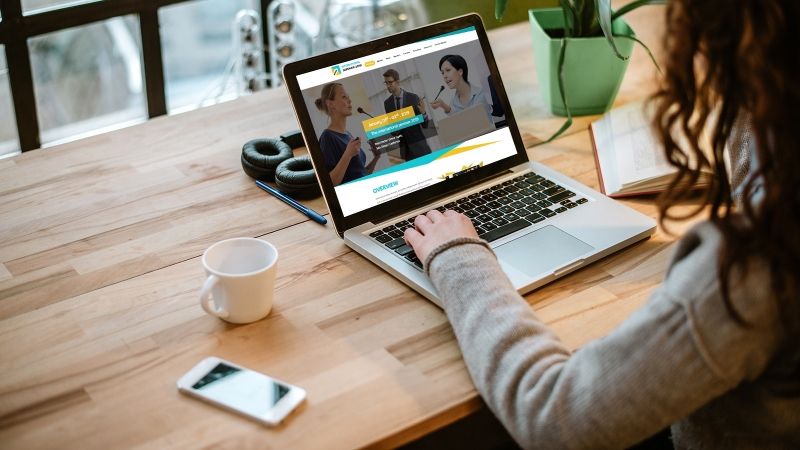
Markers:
point(100, 271)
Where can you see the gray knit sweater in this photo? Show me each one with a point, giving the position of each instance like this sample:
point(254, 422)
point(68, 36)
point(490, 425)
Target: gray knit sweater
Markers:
point(680, 360)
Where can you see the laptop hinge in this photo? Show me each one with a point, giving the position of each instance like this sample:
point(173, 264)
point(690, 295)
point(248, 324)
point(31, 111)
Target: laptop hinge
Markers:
point(439, 197)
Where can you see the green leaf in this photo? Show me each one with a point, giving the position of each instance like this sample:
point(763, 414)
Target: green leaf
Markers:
point(500, 9)
point(652, 58)
point(604, 14)
point(570, 18)
point(633, 5)
point(562, 90)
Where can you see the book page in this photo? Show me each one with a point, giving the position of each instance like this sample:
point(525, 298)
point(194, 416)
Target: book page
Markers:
point(638, 154)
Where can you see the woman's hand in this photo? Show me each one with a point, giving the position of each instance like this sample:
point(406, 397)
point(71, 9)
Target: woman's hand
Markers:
point(434, 228)
point(352, 148)
point(375, 152)
point(440, 104)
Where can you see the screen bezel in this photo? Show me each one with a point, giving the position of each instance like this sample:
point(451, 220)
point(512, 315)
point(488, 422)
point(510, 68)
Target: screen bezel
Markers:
point(408, 202)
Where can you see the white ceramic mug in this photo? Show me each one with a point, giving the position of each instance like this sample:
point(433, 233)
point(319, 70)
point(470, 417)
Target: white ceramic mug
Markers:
point(241, 279)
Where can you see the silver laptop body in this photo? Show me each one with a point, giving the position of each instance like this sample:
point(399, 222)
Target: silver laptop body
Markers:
point(573, 237)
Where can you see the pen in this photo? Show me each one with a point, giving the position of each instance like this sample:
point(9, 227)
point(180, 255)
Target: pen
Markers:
point(313, 215)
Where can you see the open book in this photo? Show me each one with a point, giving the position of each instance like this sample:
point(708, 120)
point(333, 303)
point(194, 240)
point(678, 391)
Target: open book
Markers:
point(630, 161)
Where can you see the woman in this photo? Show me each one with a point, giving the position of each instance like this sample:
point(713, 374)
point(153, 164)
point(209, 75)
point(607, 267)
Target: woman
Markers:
point(455, 74)
point(715, 352)
point(344, 158)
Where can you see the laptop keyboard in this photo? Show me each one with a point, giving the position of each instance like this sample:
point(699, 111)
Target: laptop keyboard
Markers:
point(496, 211)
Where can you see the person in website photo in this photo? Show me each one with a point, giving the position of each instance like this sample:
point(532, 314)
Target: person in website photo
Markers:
point(413, 143)
point(455, 75)
point(344, 158)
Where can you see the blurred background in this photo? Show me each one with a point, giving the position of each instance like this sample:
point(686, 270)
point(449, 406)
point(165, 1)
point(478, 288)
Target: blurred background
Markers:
point(95, 77)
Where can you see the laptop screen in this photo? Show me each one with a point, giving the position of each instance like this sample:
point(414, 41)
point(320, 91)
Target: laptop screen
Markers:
point(406, 118)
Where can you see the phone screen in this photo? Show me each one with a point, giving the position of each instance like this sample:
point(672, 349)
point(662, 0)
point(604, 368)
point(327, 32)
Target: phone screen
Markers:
point(244, 390)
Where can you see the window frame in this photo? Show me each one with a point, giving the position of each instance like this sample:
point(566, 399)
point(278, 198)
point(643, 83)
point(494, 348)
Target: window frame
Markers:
point(16, 28)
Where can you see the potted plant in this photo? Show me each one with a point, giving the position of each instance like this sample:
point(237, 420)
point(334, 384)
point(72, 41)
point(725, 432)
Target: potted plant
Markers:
point(586, 78)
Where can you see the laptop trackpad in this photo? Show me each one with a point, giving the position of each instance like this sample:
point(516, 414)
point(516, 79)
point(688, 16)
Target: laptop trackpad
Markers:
point(541, 252)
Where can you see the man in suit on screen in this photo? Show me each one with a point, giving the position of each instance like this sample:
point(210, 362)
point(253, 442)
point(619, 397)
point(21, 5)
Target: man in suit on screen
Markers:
point(412, 141)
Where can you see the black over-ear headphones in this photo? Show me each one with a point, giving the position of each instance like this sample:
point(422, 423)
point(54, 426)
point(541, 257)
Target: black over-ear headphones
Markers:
point(270, 159)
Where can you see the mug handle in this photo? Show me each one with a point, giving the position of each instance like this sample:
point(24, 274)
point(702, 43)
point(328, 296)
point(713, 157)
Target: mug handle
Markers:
point(207, 302)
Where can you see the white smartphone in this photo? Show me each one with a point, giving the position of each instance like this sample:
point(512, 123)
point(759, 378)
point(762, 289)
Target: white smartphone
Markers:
point(241, 390)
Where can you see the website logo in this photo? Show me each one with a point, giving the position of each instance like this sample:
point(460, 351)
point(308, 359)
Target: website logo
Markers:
point(336, 70)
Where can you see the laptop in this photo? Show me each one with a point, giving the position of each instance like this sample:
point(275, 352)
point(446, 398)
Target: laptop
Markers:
point(451, 129)
point(540, 223)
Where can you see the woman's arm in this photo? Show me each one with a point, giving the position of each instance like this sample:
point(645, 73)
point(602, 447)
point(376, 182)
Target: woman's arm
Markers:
point(338, 172)
point(375, 155)
point(441, 104)
point(655, 368)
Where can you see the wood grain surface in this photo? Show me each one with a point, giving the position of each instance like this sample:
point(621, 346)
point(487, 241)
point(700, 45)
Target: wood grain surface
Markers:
point(100, 242)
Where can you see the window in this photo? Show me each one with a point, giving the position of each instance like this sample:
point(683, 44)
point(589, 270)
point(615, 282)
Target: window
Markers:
point(197, 49)
point(88, 79)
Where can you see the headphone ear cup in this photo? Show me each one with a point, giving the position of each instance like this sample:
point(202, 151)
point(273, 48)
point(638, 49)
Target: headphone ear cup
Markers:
point(260, 157)
point(296, 176)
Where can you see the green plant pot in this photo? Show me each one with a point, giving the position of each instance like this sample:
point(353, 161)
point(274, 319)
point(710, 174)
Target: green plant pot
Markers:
point(592, 72)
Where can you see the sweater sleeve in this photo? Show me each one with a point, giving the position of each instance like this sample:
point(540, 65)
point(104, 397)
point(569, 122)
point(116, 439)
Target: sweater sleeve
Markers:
point(613, 392)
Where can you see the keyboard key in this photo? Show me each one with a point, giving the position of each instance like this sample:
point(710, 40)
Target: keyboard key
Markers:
point(489, 197)
point(505, 230)
point(533, 209)
point(561, 196)
point(389, 228)
point(500, 222)
point(511, 217)
point(544, 203)
point(561, 209)
point(489, 226)
point(395, 243)
point(495, 214)
point(534, 218)
point(581, 201)
point(485, 218)
point(450, 205)
point(414, 260)
point(403, 250)
point(553, 190)
point(383, 238)
point(547, 213)
point(517, 205)
point(529, 200)
point(506, 209)
point(571, 205)
point(376, 233)
point(471, 213)
point(396, 233)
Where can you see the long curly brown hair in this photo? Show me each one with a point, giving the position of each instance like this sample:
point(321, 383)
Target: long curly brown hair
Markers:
point(727, 60)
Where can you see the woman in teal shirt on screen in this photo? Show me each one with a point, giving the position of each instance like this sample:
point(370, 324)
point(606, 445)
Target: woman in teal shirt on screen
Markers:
point(455, 74)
